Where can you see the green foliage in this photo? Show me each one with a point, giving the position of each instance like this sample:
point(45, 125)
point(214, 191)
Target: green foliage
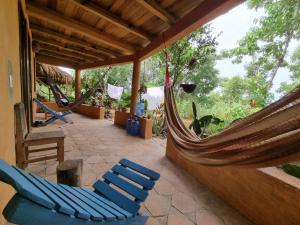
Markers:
point(158, 118)
point(293, 170)
point(268, 41)
point(258, 90)
point(294, 68)
point(192, 59)
point(125, 100)
point(200, 125)
point(233, 88)
point(254, 88)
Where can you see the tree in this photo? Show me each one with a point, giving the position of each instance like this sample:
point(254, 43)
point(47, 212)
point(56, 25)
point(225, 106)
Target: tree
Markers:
point(118, 75)
point(233, 88)
point(247, 90)
point(267, 43)
point(257, 91)
point(192, 59)
point(294, 68)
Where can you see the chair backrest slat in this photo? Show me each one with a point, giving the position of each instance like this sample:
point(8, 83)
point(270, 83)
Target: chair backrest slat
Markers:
point(131, 189)
point(23, 186)
point(138, 168)
point(121, 200)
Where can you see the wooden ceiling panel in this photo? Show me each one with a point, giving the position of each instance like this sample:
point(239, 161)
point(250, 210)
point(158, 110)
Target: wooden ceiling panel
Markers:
point(44, 58)
point(67, 47)
point(116, 5)
point(61, 5)
point(115, 31)
point(181, 9)
point(74, 43)
point(79, 27)
point(59, 55)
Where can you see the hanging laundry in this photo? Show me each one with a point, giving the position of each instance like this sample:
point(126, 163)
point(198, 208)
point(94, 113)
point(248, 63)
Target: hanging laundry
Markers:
point(154, 97)
point(114, 91)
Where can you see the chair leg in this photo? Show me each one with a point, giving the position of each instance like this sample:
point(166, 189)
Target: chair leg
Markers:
point(26, 153)
point(60, 151)
point(25, 163)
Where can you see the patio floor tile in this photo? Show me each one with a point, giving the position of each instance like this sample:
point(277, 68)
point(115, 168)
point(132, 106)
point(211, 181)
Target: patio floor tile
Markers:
point(179, 219)
point(183, 203)
point(177, 198)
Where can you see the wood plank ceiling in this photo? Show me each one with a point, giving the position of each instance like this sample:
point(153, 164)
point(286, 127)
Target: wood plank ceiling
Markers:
point(89, 33)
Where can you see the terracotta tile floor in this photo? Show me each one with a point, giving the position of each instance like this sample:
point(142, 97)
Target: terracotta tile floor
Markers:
point(177, 198)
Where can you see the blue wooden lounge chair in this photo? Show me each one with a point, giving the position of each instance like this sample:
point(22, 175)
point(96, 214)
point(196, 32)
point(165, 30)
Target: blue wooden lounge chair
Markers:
point(55, 115)
point(42, 202)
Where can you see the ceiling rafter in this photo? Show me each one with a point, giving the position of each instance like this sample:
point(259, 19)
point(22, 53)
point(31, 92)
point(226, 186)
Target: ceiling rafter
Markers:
point(158, 10)
point(74, 41)
point(58, 56)
point(97, 10)
point(41, 58)
point(44, 40)
point(66, 54)
point(115, 61)
point(68, 23)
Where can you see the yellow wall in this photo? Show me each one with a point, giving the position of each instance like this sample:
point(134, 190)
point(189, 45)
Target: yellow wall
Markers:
point(9, 53)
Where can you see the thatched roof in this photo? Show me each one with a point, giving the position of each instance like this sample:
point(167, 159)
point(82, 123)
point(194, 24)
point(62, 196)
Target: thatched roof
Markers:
point(59, 76)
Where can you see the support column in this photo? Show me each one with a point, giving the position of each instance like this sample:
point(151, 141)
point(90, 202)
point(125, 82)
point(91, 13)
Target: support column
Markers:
point(135, 85)
point(77, 84)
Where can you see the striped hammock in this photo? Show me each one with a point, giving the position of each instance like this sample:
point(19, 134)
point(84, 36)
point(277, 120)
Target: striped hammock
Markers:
point(268, 137)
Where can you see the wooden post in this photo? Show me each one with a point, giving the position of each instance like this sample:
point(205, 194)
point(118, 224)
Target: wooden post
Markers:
point(77, 84)
point(135, 85)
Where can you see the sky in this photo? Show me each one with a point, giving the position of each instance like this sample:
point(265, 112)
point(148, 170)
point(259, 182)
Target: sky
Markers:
point(231, 27)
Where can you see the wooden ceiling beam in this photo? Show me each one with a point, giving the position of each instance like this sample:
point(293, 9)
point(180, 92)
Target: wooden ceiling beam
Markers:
point(74, 41)
point(51, 16)
point(59, 56)
point(65, 54)
point(202, 14)
point(63, 46)
point(116, 61)
point(112, 18)
point(156, 9)
point(55, 62)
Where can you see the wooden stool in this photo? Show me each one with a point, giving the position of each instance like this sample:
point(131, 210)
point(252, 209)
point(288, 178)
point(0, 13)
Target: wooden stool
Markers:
point(70, 172)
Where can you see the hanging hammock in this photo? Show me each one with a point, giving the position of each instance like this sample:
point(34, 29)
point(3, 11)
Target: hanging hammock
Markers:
point(268, 137)
point(62, 100)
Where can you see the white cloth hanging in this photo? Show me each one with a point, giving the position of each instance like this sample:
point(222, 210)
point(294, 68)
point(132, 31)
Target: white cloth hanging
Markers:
point(114, 91)
point(154, 97)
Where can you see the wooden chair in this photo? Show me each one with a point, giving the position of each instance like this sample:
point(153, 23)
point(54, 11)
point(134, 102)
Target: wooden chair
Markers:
point(39, 201)
point(25, 140)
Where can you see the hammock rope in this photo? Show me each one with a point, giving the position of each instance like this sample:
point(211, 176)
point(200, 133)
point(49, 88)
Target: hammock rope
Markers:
point(268, 137)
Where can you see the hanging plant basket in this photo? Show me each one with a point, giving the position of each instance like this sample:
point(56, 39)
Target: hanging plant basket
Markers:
point(188, 88)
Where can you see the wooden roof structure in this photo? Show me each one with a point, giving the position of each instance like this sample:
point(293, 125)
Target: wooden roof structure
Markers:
point(83, 34)
point(59, 76)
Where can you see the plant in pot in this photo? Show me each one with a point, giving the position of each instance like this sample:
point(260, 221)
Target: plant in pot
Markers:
point(200, 125)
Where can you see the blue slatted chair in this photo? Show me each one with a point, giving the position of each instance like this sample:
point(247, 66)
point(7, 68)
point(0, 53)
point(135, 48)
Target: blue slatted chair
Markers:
point(55, 115)
point(39, 201)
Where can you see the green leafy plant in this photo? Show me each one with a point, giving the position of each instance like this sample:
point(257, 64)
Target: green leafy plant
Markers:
point(158, 118)
point(200, 125)
point(293, 170)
